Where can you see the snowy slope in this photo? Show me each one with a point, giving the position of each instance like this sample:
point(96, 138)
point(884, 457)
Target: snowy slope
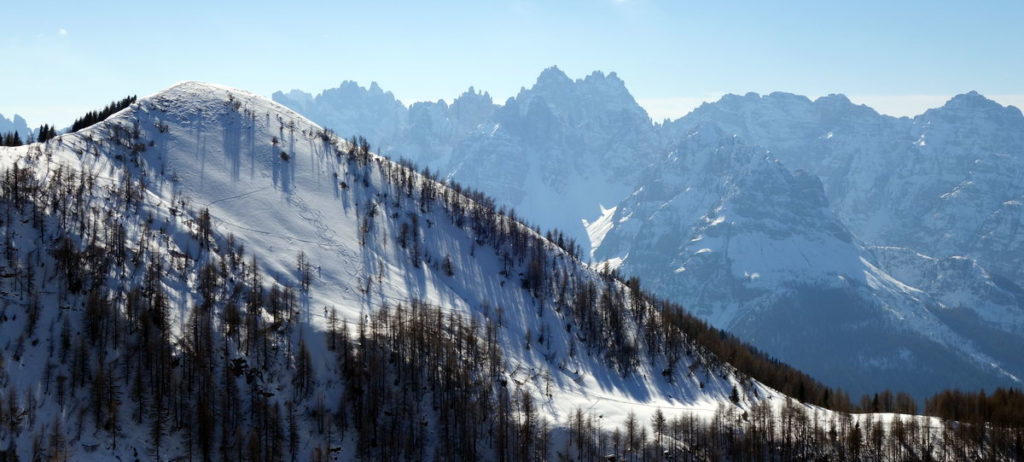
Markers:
point(277, 208)
point(279, 186)
point(728, 231)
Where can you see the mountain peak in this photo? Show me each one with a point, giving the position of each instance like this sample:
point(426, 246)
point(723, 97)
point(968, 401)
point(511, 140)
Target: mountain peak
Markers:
point(196, 86)
point(597, 92)
point(553, 76)
point(16, 124)
point(349, 84)
point(190, 97)
point(975, 103)
point(475, 95)
point(733, 98)
point(195, 91)
point(834, 98)
point(294, 93)
point(971, 99)
point(598, 76)
point(192, 92)
point(352, 89)
point(838, 105)
point(608, 84)
point(788, 97)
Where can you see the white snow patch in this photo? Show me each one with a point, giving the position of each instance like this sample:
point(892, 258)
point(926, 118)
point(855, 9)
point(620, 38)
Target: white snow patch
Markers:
point(878, 279)
point(612, 263)
point(599, 228)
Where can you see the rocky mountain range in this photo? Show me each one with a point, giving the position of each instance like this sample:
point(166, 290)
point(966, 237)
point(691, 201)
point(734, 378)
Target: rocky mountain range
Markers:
point(15, 124)
point(872, 251)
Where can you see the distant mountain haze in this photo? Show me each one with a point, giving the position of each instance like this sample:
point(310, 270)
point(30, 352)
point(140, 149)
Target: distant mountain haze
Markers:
point(15, 124)
point(872, 251)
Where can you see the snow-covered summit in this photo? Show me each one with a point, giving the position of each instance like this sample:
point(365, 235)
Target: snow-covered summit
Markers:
point(974, 101)
point(597, 90)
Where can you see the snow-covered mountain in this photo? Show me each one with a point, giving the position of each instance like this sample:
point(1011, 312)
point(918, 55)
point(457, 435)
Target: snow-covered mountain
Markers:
point(560, 150)
point(581, 141)
point(181, 276)
point(986, 308)
point(942, 185)
point(727, 230)
point(426, 132)
point(945, 183)
point(207, 274)
point(351, 109)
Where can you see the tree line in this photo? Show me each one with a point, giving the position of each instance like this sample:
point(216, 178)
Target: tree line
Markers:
point(786, 431)
point(1002, 407)
point(92, 117)
point(47, 132)
point(11, 139)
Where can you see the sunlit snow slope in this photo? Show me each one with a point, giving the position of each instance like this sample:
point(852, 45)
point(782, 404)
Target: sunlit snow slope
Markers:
point(279, 186)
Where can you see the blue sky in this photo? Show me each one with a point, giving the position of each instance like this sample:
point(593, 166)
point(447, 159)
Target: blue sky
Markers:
point(65, 58)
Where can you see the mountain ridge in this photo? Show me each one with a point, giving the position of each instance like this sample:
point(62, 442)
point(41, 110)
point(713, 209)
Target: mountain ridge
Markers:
point(891, 182)
point(729, 232)
point(191, 184)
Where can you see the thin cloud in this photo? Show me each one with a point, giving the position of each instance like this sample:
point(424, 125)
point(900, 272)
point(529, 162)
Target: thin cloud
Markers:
point(62, 32)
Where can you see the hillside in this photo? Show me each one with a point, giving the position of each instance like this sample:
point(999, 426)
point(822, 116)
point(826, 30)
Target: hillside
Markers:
point(206, 262)
point(208, 275)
